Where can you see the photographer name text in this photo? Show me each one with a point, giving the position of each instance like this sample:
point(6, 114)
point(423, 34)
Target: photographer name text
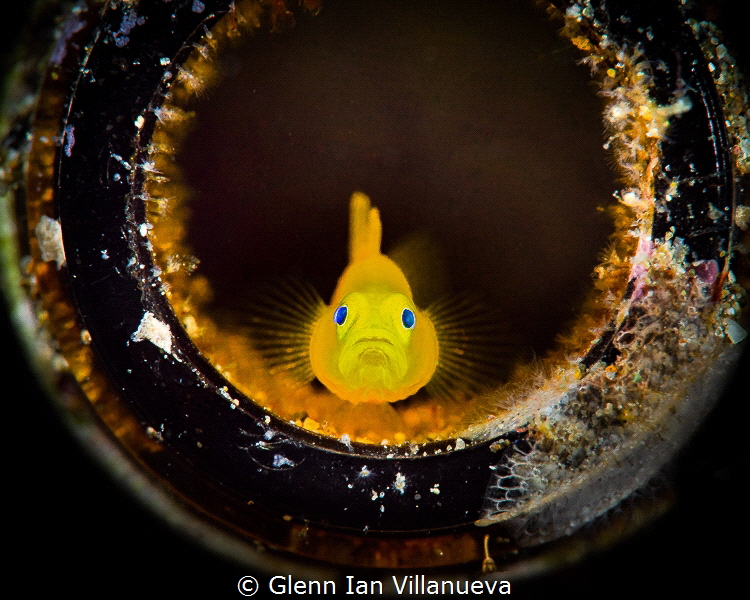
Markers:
point(405, 585)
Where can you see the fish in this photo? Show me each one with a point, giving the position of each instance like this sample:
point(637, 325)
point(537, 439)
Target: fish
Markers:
point(371, 343)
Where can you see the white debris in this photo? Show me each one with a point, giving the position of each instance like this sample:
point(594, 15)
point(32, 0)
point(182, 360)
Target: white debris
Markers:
point(400, 484)
point(70, 139)
point(49, 235)
point(279, 461)
point(735, 332)
point(155, 331)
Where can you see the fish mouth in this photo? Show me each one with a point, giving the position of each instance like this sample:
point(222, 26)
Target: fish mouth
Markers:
point(374, 336)
point(374, 339)
point(373, 361)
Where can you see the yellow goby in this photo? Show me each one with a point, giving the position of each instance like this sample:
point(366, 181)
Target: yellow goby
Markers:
point(371, 343)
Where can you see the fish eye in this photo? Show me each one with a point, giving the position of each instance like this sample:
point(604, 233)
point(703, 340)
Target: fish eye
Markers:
point(339, 317)
point(408, 318)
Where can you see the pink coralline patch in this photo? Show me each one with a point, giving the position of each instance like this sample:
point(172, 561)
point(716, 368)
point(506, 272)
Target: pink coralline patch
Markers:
point(706, 270)
point(73, 26)
point(645, 247)
point(640, 262)
point(636, 274)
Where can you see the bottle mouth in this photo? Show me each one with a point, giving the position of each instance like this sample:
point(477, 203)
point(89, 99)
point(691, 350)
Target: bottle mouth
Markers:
point(472, 237)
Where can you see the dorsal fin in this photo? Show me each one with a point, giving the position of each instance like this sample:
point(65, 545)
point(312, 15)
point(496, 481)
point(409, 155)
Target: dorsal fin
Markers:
point(365, 229)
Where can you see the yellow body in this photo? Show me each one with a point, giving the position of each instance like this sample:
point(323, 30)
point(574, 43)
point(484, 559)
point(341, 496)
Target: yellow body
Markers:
point(372, 344)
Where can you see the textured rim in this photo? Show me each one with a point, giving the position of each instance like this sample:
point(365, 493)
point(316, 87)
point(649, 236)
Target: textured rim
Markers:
point(170, 385)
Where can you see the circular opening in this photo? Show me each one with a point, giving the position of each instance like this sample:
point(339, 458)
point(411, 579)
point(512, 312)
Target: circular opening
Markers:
point(471, 129)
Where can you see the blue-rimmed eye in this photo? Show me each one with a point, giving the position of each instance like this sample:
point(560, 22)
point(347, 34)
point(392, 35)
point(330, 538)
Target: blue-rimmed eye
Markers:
point(408, 318)
point(339, 317)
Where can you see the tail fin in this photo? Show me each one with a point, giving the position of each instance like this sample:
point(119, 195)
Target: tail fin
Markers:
point(365, 228)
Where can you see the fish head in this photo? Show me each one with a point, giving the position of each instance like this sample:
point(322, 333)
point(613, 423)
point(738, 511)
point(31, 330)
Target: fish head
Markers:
point(374, 346)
